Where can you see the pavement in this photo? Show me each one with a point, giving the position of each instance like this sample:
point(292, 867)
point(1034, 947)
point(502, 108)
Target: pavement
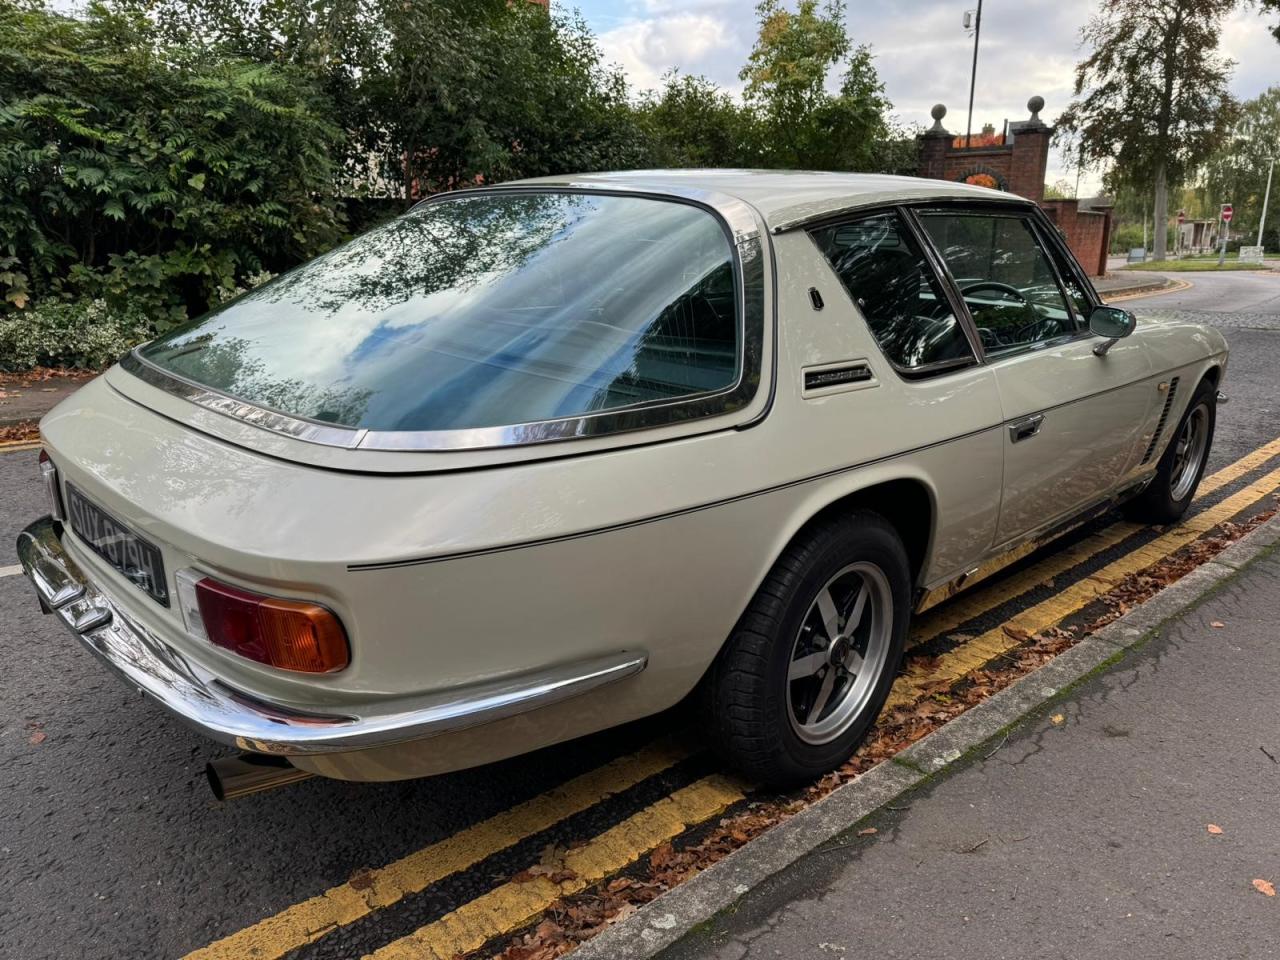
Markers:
point(23, 399)
point(1130, 819)
point(111, 847)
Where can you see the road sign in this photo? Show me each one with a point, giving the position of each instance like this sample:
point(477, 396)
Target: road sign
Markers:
point(1227, 213)
point(1182, 216)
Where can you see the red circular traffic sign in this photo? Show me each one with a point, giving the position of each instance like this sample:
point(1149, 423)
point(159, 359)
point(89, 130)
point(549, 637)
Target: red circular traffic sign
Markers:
point(1226, 212)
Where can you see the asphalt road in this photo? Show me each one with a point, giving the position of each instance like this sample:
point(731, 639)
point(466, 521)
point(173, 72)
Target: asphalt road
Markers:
point(111, 847)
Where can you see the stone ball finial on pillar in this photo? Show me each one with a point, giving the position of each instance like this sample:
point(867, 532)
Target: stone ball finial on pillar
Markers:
point(1035, 105)
point(938, 112)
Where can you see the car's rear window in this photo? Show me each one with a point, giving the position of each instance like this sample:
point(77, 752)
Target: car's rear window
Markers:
point(483, 310)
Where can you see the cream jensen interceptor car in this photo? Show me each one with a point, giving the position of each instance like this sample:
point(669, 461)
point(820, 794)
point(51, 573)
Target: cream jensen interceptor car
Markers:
point(534, 460)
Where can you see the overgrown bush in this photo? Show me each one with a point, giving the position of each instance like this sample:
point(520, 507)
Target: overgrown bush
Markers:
point(148, 175)
point(56, 333)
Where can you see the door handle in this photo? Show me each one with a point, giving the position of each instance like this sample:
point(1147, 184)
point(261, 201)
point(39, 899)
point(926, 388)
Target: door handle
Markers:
point(1026, 427)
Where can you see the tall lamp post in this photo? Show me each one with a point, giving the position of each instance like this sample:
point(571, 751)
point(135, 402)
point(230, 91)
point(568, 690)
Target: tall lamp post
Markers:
point(973, 76)
point(1266, 198)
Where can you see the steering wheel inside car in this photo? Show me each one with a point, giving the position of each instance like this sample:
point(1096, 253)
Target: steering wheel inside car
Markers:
point(995, 285)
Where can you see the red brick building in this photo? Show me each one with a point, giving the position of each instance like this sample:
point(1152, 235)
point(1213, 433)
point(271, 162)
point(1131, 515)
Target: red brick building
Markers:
point(1016, 162)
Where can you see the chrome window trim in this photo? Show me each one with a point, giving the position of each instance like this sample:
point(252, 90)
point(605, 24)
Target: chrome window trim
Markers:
point(1024, 210)
point(906, 220)
point(735, 217)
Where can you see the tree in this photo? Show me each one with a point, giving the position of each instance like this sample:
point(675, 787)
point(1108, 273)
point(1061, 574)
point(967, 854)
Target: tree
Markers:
point(693, 123)
point(150, 175)
point(1272, 6)
point(1152, 98)
point(799, 122)
point(1237, 170)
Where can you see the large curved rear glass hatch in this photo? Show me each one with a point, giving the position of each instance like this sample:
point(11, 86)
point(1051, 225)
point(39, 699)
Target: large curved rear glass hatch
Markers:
point(493, 317)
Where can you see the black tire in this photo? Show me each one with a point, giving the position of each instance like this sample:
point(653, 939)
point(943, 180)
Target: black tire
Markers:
point(746, 694)
point(1162, 502)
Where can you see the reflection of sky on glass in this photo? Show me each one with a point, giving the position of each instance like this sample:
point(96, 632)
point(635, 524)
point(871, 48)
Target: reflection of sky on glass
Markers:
point(483, 311)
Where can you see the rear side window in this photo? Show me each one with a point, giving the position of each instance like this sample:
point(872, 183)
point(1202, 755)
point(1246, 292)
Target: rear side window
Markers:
point(897, 292)
point(485, 310)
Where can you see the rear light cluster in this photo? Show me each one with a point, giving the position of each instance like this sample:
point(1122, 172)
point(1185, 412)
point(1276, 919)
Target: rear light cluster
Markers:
point(288, 634)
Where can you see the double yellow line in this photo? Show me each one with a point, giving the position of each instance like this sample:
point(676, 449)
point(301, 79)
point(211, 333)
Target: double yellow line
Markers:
point(513, 904)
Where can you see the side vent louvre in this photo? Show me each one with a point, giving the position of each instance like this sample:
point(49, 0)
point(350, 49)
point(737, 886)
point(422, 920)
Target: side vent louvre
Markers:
point(836, 376)
point(1164, 419)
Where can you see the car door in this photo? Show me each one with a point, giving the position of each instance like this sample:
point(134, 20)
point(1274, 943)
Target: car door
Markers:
point(1073, 419)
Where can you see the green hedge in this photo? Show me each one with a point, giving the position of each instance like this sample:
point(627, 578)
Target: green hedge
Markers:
point(147, 176)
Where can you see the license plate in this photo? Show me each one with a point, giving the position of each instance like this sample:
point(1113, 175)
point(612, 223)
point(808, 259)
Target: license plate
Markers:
point(135, 558)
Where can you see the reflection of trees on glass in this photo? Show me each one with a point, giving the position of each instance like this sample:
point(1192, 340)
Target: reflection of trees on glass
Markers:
point(889, 279)
point(484, 310)
point(229, 362)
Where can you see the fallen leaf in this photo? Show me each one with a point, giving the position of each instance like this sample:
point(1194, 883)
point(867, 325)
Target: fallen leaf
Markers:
point(867, 832)
point(362, 879)
point(1217, 624)
point(37, 738)
point(1057, 719)
point(1265, 888)
point(1214, 829)
point(1016, 633)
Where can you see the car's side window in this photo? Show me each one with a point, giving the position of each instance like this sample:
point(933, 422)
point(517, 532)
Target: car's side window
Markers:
point(1076, 291)
point(1005, 277)
point(887, 275)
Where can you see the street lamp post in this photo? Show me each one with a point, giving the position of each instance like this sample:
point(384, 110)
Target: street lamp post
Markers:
point(1266, 198)
point(973, 76)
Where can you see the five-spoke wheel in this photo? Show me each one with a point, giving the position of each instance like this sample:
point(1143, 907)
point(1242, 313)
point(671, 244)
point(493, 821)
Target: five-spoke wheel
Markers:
point(810, 663)
point(839, 651)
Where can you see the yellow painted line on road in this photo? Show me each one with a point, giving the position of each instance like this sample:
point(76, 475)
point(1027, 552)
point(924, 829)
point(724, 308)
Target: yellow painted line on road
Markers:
point(974, 653)
point(311, 919)
point(512, 905)
point(19, 445)
point(976, 601)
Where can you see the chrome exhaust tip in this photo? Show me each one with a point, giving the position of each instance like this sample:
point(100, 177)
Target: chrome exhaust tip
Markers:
point(238, 776)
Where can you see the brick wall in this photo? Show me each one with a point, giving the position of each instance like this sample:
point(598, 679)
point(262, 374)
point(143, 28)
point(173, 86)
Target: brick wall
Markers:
point(1087, 231)
point(1019, 166)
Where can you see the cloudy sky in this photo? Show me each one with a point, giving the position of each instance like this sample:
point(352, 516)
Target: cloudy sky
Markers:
point(923, 55)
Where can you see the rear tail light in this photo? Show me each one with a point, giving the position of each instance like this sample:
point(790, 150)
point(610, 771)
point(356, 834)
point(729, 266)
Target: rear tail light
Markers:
point(49, 477)
point(288, 634)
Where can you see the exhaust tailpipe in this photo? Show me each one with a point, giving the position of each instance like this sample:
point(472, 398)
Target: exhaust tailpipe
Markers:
point(246, 773)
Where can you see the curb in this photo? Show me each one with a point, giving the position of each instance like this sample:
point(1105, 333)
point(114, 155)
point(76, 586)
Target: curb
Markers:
point(664, 921)
point(1170, 285)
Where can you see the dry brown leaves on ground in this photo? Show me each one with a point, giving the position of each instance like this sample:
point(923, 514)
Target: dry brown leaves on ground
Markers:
point(25, 432)
point(38, 375)
point(1141, 586)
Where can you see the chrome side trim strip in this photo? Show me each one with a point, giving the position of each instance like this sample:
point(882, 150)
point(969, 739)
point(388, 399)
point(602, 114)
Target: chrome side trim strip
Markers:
point(200, 699)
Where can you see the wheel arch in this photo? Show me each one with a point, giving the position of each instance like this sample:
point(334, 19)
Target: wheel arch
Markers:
point(907, 502)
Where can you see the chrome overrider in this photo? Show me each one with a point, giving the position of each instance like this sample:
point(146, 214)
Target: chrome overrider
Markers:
point(200, 699)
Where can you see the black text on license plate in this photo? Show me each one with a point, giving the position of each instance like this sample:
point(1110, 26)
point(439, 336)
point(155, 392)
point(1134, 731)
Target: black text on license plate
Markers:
point(135, 558)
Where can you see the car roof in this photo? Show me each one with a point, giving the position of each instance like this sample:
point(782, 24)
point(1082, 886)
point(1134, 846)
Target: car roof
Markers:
point(786, 199)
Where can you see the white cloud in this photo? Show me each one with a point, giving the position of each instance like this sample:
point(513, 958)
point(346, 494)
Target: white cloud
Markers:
point(701, 41)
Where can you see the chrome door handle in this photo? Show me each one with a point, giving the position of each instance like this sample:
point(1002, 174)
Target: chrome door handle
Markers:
point(1026, 427)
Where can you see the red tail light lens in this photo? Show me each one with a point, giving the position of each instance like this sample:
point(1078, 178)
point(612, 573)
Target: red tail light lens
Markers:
point(288, 634)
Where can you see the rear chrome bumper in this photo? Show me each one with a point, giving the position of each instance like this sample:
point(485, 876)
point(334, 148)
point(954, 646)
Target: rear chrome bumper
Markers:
point(203, 701)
